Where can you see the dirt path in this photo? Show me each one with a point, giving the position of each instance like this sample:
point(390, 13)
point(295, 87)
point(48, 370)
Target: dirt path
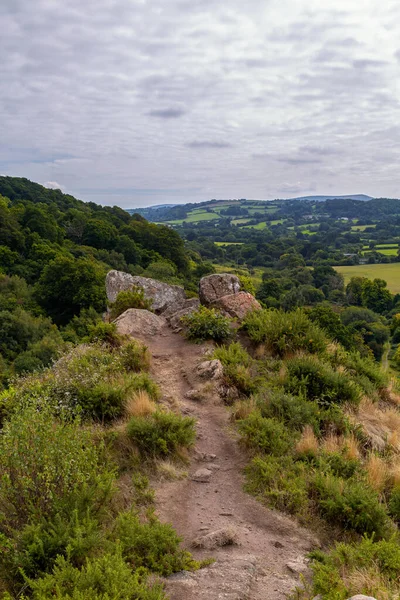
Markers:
point(256, 568)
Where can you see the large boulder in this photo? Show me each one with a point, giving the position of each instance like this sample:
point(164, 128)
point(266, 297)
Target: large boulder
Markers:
point(139, 323)
point(161, 294)
point(213, 287)
point(237, 305)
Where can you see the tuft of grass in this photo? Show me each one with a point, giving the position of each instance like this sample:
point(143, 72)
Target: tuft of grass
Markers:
point(140, 404)
point(377, 472)
point(308, 443)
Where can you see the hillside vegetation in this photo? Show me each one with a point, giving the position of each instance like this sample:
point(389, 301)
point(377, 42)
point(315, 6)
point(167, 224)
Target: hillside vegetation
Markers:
point(54, 253)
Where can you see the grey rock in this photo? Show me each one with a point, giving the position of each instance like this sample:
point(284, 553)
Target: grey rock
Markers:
point(216, 539)
point(139, 323)
point(185, 304)
point(186, 309)
point(202, 475)
point(210, 369)
point(297, 566)
point(362, 597)
point(237, 305)
point(213, 287)
point(161, 294)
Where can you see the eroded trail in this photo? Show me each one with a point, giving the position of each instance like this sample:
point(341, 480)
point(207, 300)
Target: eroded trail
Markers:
point(257, 568)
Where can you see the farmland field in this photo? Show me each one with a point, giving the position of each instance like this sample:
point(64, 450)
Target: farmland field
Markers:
point(361, 227)
point(228, 243)
point(389, 272)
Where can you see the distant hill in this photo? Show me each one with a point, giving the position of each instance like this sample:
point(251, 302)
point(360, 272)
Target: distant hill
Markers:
point(360, 197)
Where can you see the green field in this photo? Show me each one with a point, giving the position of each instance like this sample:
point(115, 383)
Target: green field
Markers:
point(240, 221)
point(361, 227)
point(195, 217)
point(390, 273)
point(262, 225)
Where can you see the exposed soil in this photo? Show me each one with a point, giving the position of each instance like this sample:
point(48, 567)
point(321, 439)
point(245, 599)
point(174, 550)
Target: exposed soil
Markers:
point(256, 568)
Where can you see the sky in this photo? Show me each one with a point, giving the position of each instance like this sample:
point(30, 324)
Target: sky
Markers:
point(142, 102)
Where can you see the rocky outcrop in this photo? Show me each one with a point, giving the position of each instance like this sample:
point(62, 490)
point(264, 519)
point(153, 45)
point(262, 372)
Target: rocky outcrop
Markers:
point(162, 295)
point(211, 369)
point(237, 305)
point(174, 313)
point(139, 322)
point(213, 287)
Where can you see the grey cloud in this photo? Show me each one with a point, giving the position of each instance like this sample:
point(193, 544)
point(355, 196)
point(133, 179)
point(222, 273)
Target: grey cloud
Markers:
point(108, 95)
point(167, 113)
point(208, 144)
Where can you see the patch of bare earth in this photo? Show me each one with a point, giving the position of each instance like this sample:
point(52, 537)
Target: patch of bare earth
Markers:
point(267, 551)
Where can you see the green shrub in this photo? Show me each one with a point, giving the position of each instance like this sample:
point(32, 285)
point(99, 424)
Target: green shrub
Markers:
point(293, 411)
point(233, 355)
point(92, 381)
point(206, 324)
point(350, 504)
point(394, 504)
point(133, 298)
point(318, 381)
point(134, 356)
point(280, 482)
point(151, 544)
point(107, 577)
point(105, 333)
point(247, 285)
point(48, 468)
point(338, 464)
point(161, 433)
point(265, 435)
point(284, 333)
point(237, 365)
point(365, 567)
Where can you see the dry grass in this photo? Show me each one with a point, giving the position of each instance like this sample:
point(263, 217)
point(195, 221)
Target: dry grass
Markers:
point(381, 425)
point(139, 405)
point(169, 471)
point(308, 443)
point(348, 446)
point(370, 581)
point(243, 408)
point(377, 472)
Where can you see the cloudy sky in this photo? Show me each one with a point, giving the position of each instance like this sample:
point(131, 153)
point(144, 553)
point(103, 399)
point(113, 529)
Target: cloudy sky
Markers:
point(139, 102)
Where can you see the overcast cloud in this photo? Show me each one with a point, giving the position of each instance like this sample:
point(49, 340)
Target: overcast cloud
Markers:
point(139, 102)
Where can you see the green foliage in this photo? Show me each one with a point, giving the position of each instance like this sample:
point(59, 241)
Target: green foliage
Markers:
point(351, 504)
point(318, 381)
point(265, 435)
point(92, 381)
point(280, 482)
point(47, 468)
point(366, 567)
point(105, 333)
point(101, 578)
point(161, 434)
point(295, 412)
point(284, 333)
point(394, 504)
point(68, 285)
point(247, 285)
point(133, 298)
point(150, 544)
point(237, 365)
point(206, 324)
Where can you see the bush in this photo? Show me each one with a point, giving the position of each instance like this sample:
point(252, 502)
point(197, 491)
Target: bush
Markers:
point(394, 504)
point(284, 333)
point(206, 324)
point(318, 381)
point(293, 411)
point(161, 433)
point(237, 367)
point(151, 544)
point(101, 578)
point(105, 333)
point(350, 504)
point(280, 482)
point(91, 381)
point(133, 298)
point(265, 435)
point(364, 567)
point(48, 468)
